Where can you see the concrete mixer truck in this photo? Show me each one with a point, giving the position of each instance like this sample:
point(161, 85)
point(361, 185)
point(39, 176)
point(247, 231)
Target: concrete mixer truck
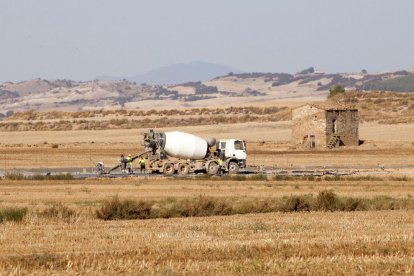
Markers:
point(184, 153)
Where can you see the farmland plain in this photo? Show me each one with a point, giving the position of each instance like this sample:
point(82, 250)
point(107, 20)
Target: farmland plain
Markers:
point(367, 241)
point(364, 242)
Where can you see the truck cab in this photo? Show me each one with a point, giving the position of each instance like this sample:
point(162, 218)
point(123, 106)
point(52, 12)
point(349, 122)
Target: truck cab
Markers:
point(234, 152)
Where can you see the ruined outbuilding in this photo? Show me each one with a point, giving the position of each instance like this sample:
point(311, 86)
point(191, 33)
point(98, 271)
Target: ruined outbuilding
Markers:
point(325, 126)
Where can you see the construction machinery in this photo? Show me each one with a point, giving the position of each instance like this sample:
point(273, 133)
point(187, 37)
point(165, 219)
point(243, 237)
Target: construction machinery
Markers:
point(184, 153)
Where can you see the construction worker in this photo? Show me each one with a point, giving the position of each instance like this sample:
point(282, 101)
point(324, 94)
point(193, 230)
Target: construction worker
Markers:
point(223, 155)
point(220, 164)
point(100, 167)
point(123, 162)
point(129, 164)
point(142, 164)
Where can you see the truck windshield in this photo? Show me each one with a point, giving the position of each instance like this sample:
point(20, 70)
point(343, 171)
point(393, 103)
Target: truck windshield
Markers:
point(238, 145)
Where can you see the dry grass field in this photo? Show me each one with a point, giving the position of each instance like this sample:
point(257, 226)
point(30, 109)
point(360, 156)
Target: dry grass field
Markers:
point(380, 107)
point(361, 242)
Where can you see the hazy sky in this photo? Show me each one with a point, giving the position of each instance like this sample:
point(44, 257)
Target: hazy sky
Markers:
point(83, 39)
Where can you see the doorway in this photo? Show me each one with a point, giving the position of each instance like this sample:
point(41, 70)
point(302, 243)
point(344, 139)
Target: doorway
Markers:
point(334, 126)
point(312, 142)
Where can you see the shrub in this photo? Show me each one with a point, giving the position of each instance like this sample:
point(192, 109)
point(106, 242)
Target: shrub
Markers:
point(204, 206)
point(59, 211)
point(296, 204)
point(20, 176)
point(332, 178)
point(14, 176)
point(116, 209)
point(364, 178)
point(63, 176)
point(399, 178)
point(283, 177)
point(12, 214)
point(327, 201)
point(335, 90)
point(237, 177)
point(382, 203)
point(259, 177)
point(353, 204)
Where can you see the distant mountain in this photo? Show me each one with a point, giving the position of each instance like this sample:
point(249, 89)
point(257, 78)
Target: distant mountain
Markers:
point(183, 72)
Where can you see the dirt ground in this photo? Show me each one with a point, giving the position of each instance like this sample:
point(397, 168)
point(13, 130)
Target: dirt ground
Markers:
point(267, 145)
point(251, 132)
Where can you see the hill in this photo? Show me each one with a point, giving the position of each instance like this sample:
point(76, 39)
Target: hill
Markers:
point(379, 107)
point(401, 84)
point(232, 89)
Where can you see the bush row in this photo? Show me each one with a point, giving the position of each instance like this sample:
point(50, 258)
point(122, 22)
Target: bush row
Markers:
point(21, 176)
point(37, 115)
point(201, 206)
point(264, 177)
point(141, 123)
point(57, 211)
point(117, 209)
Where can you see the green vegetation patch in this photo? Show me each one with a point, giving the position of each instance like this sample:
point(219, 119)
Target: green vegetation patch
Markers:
point(400, 84)
point(12, 214)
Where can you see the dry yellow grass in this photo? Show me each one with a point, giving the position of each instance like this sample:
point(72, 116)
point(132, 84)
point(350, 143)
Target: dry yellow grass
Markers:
point(385, 108)
point(314, 243)
point(382, 107)
point(78, 193)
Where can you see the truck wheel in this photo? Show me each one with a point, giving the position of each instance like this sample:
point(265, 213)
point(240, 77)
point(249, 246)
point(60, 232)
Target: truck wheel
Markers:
point(212, 167)
point(183, 169)
point(233, 167)
point(169, 169)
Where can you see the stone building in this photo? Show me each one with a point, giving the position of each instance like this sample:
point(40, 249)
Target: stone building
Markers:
point(325, 126)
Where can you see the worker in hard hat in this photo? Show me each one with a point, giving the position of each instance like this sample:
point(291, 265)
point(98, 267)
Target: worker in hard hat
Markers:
point(100, 167)
point(142, 164)
point(220, 164)
point(129, 164)
point(123, 162)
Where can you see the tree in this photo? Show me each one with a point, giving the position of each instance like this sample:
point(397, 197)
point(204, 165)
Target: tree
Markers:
point(335, 90)
point(310, 70)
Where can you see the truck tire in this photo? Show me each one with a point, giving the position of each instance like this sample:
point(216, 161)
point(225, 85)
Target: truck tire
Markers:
point(183, 169)
point(212, 167)
point(169, 169)
point(233, 168)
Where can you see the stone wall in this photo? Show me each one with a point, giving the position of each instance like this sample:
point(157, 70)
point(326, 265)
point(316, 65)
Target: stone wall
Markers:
point(344, 123)
point(310, 123)
point(307, 122)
